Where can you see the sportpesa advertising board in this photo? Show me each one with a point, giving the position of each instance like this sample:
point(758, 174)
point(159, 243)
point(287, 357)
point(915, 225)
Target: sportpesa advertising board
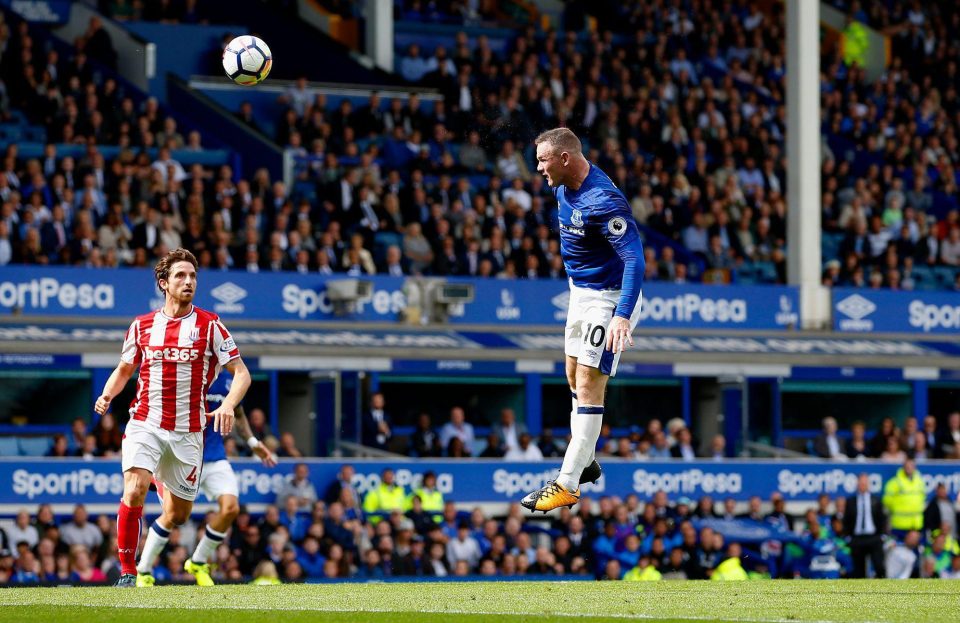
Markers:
point(56, 481)
point(864, 310)
point(125, 293)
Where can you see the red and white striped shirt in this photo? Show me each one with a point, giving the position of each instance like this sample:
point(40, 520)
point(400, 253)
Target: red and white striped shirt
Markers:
point(179, 359)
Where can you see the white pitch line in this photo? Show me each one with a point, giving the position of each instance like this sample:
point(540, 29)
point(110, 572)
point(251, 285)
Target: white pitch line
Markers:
point(565, 615)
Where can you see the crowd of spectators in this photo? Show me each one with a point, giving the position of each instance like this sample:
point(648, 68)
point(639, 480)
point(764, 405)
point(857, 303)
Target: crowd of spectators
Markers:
point(686, 112)
point(392, 531)
point(932, 439)
point(105, 437)
point(164, 11)
point(683, 109)
point(507, 437)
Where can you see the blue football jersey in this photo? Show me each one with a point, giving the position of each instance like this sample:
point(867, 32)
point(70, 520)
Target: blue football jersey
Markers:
point(599, 239)
point(213, 449)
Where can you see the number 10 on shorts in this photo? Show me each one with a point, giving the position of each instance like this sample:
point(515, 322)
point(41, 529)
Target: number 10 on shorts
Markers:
point(594, 334)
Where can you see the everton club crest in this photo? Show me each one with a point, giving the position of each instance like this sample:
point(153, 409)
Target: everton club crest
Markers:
point(577, 218)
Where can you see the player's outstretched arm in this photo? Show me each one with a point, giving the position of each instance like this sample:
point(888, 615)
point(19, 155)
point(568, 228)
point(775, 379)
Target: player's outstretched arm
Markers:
point(243, 427)
point(630, 250)
point(223, 415)
point(114, 385)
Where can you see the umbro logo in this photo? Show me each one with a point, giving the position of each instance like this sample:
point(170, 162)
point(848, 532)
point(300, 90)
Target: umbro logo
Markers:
point(229, 293)
point(856, 307)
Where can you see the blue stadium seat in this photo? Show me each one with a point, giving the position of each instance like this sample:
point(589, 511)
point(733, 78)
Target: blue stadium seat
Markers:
point(746, 274)
point(923, 278)
point(478, 446)
point(36, 134)
point(11, 134)
point(9, 446)
point(830, 245)
point(945, 275)
point(34, 446)
point(304, 189)
point(766, 272)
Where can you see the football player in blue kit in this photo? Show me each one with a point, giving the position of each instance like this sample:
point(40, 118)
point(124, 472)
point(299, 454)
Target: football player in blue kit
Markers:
point(603, 255)
point(218, 482)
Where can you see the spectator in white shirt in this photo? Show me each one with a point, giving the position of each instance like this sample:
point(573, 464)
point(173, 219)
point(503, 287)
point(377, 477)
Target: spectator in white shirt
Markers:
point(750, 177)
point(457, 427)
point(80, 531)
point(681, 63)
point(525, 451)
point(23, 531)
point(508, 429)
point(518, 194)
point(463, 548)
point(950, 248)
point(827, 445)
point(297, 96)
point(902, 558)
point(6, 247)
point(412, 66)
point(164, 161)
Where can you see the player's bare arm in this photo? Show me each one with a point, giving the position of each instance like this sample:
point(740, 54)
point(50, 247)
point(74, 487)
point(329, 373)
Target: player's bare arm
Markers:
point(223, 416)
point(243, 428)
point(114, 385)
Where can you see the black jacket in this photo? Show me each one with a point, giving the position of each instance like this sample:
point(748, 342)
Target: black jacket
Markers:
point(932, 517)
point(850, 517)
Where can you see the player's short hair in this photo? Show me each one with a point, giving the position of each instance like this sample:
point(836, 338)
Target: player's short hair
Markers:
point(162, 270)
point(561, 139)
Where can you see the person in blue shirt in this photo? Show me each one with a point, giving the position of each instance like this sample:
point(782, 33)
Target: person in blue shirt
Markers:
point(219, 483)
point(603, 256)
point(822, 559)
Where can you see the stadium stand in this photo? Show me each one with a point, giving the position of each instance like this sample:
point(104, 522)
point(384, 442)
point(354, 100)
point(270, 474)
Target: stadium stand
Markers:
point(335, 539)
point(689, 122)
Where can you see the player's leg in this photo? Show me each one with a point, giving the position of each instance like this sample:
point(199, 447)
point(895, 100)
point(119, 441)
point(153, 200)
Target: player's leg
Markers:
point(584, 432)
point(216, 530)
point(592, 472)
point(587, 342)
point(594, 368)
point(177, 477)
point(136, 483)
point(594, 363)
point(141, 452)
point(552, 495)
point(158, 535)
point(219, 482)
point(584, 426)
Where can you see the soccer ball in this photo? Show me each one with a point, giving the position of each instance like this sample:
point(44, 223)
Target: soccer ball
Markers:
point(247, 60)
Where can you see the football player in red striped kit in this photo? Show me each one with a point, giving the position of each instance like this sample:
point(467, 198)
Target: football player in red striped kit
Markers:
point(179, 351)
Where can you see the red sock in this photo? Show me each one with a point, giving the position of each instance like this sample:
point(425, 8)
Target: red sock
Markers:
point(128, 536)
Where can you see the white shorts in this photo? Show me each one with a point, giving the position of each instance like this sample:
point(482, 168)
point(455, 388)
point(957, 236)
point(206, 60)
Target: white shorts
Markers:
point(219, 479)
point(175, 459)
point(588, 315)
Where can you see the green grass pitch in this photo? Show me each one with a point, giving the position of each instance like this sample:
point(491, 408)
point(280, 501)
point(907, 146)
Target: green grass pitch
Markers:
point(500, 602)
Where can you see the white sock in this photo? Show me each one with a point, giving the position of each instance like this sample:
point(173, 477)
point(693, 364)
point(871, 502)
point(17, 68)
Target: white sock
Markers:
point(573, 412)
point(584, 430)
point(157, 537)
point(207, 546)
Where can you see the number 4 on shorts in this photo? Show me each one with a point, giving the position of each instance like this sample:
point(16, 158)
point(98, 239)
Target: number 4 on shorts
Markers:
point(192, 477)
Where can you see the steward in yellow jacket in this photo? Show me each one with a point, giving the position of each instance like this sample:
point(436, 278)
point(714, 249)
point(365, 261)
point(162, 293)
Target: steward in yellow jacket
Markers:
point(905, 496)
